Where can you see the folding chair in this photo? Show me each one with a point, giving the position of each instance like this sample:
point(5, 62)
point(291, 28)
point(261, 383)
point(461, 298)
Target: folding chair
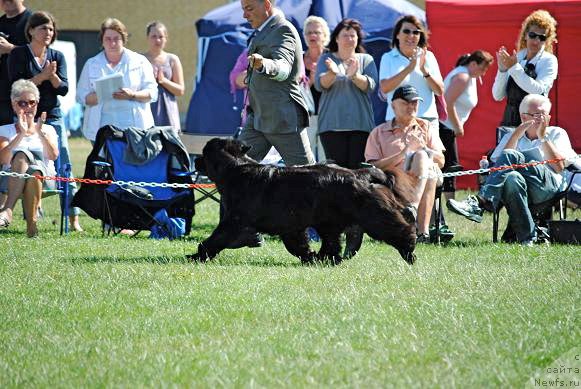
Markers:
point(195, 143)
point(62, 189)
point(129, 206)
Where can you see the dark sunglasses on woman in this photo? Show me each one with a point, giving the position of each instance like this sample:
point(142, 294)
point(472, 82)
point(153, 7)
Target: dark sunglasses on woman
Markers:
point(407, 31)
point(26, 104)
point(534, 35)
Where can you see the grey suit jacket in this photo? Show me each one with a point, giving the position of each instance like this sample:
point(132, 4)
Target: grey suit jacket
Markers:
point(277, 107)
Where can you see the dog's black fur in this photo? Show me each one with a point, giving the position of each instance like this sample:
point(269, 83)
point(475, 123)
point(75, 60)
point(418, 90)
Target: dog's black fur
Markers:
point(285, 201)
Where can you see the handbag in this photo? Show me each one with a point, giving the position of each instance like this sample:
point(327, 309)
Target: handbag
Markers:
point(442, 108)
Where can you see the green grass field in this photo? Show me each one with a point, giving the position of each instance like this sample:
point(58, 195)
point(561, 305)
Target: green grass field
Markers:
point(90, 311)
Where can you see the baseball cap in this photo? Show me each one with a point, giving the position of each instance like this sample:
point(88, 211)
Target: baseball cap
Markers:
point(406, 92)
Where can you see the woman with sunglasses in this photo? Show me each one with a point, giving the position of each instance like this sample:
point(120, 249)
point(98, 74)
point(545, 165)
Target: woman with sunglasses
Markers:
point(30, 147)
point(47, 69)
point(410, 62)
point(532, 69)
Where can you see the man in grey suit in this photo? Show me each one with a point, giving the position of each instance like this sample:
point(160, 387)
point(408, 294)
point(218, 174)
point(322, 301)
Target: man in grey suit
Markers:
point(277, 113)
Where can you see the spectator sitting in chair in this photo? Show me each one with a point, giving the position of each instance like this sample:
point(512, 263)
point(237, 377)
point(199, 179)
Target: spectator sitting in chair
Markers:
point(532, 140)
point(406, 142)
point(29, 147)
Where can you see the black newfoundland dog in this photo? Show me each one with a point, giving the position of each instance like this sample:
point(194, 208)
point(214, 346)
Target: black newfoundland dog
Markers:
point(285, 201)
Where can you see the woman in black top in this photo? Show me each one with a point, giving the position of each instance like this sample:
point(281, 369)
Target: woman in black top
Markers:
point(47, 69)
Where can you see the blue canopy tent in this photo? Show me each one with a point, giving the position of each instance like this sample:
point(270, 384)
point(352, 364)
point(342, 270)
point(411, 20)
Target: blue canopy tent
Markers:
point(222, 37)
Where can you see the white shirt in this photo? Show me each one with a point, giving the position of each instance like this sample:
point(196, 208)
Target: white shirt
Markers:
point(137, 75)
point(467, 99)
point(532, 148)
point(32, 143)
point(546, 67)
point(394, 62)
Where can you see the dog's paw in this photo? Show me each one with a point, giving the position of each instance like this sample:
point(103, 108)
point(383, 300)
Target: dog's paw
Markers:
point(408, 256)
point(198, 257)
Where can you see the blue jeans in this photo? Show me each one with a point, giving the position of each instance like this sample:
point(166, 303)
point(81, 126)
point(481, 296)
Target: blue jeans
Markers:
point(64, 158)
point(517, 188)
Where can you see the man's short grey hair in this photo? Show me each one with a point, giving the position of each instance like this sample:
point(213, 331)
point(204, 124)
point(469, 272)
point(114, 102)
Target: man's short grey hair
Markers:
point(23, 86)
point(542, 101)
point(319, 20)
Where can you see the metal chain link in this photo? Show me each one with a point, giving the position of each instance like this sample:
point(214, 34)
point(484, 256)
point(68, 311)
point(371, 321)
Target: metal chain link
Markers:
point(192, 186)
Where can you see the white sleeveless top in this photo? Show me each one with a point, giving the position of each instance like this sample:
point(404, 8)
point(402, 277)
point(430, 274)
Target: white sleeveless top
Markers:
point(467, 100)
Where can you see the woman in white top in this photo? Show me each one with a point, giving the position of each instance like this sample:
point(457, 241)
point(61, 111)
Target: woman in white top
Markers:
point(461, 97)
point(129, 105)
point(410, 62)
point(28, 147)
point(532, 69)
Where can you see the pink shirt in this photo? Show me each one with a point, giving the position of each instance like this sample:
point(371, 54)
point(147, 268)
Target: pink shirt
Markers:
point(384, 141)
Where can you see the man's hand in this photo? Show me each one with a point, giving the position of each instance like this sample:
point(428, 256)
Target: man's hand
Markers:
point(5, 46)
point(542, 122)
point(413, 140)
point(255, 61)
point(524, 127)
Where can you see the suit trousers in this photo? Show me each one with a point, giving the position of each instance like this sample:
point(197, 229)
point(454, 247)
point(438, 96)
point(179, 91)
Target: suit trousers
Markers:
point(294, 147)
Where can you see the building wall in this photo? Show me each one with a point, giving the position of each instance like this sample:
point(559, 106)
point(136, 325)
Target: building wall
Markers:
point(178, 15)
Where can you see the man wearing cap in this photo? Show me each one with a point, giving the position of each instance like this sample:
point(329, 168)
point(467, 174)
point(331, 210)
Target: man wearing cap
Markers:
point(406, 142)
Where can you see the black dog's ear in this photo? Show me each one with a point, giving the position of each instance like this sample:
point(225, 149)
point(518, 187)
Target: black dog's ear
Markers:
point(245, 148)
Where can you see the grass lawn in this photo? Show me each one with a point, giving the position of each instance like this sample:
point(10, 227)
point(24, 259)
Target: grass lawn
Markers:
point(90, 311)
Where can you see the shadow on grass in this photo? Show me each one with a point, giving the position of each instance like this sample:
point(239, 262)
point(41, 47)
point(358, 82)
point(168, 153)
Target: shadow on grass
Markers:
point(217, 262)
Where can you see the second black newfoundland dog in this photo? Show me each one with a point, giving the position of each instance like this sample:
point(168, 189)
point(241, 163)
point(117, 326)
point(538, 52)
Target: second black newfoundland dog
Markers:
point(285, 201)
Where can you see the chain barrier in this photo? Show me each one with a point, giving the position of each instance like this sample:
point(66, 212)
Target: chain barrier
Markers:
point(498, 168)
point(108, 182)
point(207, 186)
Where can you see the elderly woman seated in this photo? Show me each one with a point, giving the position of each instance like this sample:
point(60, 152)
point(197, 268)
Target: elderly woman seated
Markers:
point(28, 146)
point(406, 142)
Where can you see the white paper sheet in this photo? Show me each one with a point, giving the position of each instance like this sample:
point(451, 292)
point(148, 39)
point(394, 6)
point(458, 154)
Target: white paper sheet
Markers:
point(106, 85)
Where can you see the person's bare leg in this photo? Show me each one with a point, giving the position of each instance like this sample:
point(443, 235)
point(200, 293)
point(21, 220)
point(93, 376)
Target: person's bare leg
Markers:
point(31, 197)
point(19, 164)
point(419, 170)
point(426, 207)
point(75, 224)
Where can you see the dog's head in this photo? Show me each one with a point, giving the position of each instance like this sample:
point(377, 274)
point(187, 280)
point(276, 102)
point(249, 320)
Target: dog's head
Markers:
point(233, 147)
point(219, 153)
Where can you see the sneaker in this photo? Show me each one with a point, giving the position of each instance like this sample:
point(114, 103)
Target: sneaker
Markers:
point(446, 234)
point(422, 238)
point(468, 208)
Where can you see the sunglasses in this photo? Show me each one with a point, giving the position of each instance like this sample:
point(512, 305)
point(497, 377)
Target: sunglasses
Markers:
point(407, 31)
point(27, 104)
point(534, 35)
